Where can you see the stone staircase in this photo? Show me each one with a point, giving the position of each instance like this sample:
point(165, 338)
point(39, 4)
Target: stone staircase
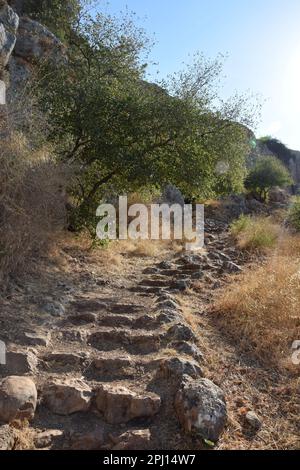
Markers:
point(121, 369)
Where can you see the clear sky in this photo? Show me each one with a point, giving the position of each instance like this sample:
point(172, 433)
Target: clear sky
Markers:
point(261, 38)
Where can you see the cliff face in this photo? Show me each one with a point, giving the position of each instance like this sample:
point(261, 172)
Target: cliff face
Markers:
point(23, 43)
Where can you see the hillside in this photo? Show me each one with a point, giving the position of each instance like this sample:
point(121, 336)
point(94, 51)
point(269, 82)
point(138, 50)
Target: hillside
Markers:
point(133, 340)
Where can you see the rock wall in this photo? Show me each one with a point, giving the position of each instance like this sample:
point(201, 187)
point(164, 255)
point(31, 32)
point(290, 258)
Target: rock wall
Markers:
point(24, 43)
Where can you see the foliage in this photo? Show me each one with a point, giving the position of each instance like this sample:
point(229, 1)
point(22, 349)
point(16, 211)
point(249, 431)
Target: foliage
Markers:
point(123, 133)
point(255, 233)
point(267, 173)
point(294, 214)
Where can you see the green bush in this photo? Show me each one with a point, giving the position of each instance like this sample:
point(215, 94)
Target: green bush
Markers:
point(267, 173)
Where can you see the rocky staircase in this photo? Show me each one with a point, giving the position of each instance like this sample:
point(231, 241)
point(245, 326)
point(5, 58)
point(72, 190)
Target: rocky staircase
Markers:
point(120, 371)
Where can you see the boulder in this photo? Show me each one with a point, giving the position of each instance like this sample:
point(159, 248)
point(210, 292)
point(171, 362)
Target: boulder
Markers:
point(201, 408)
point(9, 22)
point(18, 399)
point(67, 396)
point(119, 405)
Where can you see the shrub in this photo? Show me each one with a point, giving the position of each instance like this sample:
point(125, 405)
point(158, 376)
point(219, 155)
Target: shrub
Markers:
point(267, 173)
point(294, 214)
point(255, 233)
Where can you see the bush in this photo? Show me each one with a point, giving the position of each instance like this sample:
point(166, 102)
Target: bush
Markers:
point(255, 233)
point(32, 204)
point(267, 173)
point(294, 214)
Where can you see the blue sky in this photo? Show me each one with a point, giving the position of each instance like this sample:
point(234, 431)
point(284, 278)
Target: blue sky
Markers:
point(261, 38)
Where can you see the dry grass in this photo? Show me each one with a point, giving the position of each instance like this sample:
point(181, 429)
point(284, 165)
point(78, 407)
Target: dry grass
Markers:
point(255, 233)
point(260, 309)
point(32, 203)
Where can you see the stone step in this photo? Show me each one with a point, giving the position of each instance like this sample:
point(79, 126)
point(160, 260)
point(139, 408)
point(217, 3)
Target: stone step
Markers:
point(154, 283)
point(120, 405)
point(134, 342)
point(124, 308)
point(143, 321)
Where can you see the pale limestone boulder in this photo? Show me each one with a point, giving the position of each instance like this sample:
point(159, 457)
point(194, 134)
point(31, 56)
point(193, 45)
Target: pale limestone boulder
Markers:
point(9, 22)
point(65, 397)
point(18, 399)
point(119, 405)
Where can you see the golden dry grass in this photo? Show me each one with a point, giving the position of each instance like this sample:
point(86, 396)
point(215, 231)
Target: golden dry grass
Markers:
point(260, 308)
point(32, 203)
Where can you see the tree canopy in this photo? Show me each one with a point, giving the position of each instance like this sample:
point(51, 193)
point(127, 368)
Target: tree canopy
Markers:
point(267, 173)
point(123, 133)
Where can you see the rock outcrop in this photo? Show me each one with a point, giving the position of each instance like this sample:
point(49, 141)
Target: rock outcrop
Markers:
point(9, 23)
point(24, 43)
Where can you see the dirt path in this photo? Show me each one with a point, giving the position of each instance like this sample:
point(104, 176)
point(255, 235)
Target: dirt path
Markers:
point(133, 331)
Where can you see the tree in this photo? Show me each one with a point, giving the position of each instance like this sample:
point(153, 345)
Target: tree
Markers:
point(123, 133)
point(267, 173)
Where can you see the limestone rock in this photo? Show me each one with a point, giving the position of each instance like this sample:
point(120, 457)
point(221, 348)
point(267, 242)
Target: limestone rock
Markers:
point(177, 367)
point(189, 349)
point(37, 339)
point(9, 22)
point(18, 399)
point(19, 362)
point(181, 332)
point(35, 42)
point(56, 309)
point(201, 408)
point(67, 396)
point(2, 93)
point(231, 267)
point(119, 405)
point(253, 420)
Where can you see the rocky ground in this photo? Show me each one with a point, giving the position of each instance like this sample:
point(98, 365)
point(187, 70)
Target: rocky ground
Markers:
point(122, 353)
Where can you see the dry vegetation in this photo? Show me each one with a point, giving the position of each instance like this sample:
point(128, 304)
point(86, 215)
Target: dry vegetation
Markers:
point(255, 233)
point(32, 203)
point(260, 308)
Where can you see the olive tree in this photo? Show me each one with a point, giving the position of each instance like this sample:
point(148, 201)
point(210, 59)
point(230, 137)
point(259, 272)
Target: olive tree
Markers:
point(267, 173)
